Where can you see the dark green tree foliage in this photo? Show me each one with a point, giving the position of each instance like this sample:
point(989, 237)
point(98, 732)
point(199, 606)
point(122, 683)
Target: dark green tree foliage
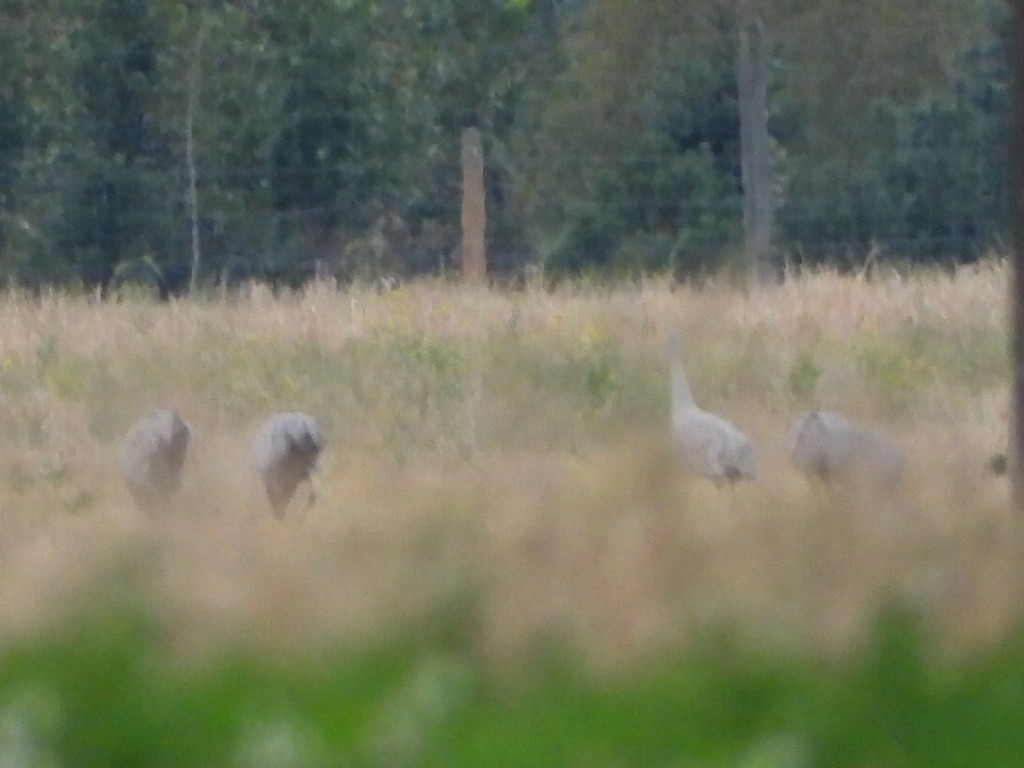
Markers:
point(473, 63)
point(314, 121)
point(930, 186)
point(610, 134)
point(642, 171)
point(34, 119)
point(319, 155)
point(13, 112)
point(116, 197)
point(695, 181)
point(374, 98)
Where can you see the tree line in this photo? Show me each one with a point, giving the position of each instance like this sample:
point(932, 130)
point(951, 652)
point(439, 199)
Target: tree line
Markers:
point(239, 139)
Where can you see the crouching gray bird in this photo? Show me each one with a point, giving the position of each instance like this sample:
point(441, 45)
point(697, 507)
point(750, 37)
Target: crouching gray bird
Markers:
point(830, 446)
point(152, 457)
point(287, 449)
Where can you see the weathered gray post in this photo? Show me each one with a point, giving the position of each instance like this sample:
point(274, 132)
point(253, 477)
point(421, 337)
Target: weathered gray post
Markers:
point(755, 160)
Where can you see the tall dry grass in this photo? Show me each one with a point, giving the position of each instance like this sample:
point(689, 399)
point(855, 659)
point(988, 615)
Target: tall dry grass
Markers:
point(504, 455)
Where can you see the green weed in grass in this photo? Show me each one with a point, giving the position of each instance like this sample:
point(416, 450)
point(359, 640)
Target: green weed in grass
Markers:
point(892, 371)
point(804, 376)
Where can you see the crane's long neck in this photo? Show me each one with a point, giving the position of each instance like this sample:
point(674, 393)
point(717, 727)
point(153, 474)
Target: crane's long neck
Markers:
point(682, 397)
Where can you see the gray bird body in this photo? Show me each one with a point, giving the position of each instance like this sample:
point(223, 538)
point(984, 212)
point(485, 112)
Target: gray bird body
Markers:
point(830, 446)
point(708, 444)
point(152, 457)
point(287, 448)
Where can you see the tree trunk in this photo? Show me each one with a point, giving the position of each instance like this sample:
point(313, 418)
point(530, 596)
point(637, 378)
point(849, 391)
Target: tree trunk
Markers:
point(194, 74)
point(472, 252)
point(1015, 448)
point(755, 161)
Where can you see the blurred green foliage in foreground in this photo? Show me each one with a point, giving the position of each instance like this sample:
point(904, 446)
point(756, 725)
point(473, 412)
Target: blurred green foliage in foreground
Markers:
point(106, 691)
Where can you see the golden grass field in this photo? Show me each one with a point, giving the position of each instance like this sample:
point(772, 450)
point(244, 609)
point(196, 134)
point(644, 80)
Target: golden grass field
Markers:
point(505, 454)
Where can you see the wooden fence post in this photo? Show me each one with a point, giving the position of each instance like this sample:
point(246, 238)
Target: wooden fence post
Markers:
point(472, 252)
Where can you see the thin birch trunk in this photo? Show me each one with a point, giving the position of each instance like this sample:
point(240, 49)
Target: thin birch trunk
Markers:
point(194, 79)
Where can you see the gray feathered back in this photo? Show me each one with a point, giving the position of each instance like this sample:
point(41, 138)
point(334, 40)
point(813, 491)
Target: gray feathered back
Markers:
point(830, 446)
point(153, 455)
point(286, 452)
point(285, 436)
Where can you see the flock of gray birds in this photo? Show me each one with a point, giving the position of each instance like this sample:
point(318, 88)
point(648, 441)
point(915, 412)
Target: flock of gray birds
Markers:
point(153, 456)
point(822, 444)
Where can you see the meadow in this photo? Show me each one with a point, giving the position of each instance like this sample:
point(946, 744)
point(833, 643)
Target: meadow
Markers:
point(505, 565)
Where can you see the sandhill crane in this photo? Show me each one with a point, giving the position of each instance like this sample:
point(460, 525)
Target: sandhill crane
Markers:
point(152, 456)
point(708, 444)
point(829, 446)
point(287, 449)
